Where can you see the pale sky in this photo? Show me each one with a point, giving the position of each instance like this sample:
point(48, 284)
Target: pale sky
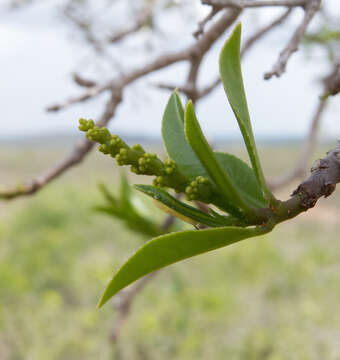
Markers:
point(37, 59)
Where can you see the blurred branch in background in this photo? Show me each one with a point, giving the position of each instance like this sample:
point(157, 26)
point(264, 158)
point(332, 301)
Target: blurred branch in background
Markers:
point(226, 11)
point(201, 93)
point(193, 54)
point(300, 170)
point(310, 7)
point(221, 16)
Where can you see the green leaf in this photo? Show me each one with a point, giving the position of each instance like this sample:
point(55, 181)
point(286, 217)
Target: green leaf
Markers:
point(107, 194)
point(231, 76)
point(208, 159)
point(168, 249)
point(181, 210)
point(174, 139)
point(123, 208)
point(243, 177)
point(125, 194)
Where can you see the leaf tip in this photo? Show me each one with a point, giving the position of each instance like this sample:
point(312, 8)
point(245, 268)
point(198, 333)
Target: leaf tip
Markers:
point(102, 301)
point(234, 39)
point(189, 109)
point(110, 291)
point(238, 26)
point(188, 118)
point(189, 104)
point(236, 34)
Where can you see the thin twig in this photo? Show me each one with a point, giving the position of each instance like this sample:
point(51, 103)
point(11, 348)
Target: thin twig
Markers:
point(124, 301)
point(293, 45)
point(265, 30)
point(75, 157)
point(143, 18)
point(84, 25)
point(89, 94)
point(332, 82)
point(201, 25)
point(116, 86)
point(300, 169)
point(81, 81)
point(241, 4)
point(200, 93)
point(197, 50)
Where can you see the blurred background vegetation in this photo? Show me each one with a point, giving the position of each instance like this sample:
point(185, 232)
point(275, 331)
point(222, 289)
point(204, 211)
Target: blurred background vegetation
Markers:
point(269, 298)
point(274, 297)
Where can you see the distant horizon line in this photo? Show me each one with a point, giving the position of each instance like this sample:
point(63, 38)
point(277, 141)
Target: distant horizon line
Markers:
point(66, 137)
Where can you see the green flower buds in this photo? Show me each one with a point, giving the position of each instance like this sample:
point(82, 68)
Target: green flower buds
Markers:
point(149, 164)
point(143, 163)
point(172, 177)
point(85, 125)
point(199, 189)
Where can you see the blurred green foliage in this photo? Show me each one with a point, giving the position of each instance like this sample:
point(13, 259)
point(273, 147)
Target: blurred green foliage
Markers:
point(272, 298)
point(129, 208)
point(327, 37)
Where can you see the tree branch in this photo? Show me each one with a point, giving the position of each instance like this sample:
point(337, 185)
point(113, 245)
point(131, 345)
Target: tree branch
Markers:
point(81, 81)
point(201, 24)
point(325, 174)
point(300, 169)
point(192, 54)
point(92, 92)
point(312, 6)
point(200, 93)
point(264, 31)
point(332, 82)
point(198, 49)
point(75, 157)
point(142, 19)
point(241, 4)
point(124, 301)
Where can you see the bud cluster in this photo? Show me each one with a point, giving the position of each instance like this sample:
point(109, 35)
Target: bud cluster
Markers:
point(199, 189)
point(143, 163)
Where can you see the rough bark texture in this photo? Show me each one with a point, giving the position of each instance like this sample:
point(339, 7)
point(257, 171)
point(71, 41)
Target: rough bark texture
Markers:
point(325, 174)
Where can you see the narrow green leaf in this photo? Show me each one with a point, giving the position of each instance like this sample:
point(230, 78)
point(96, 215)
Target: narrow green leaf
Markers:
point(124, 209)
point(107, 194)
point(231, 76)
point(171, 248)
point(125, 193)
point(208, 159)
point(174, 139)
point(181, 210)
point(243, 177)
